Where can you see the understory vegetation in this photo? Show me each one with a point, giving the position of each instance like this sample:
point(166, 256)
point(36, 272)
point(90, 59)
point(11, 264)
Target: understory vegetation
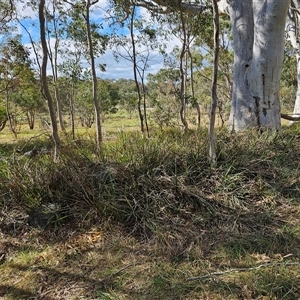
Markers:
point(148, 218)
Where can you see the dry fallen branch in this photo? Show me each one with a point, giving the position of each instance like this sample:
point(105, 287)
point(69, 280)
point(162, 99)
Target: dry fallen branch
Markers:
point(220, 273)
point(290, 118)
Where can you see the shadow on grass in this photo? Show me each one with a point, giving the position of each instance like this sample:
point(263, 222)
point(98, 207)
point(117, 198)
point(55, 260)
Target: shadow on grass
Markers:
point(52, 283)
point(16, 293)
point(264, 243)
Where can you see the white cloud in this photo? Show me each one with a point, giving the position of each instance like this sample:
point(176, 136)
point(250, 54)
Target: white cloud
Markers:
point(25, 11)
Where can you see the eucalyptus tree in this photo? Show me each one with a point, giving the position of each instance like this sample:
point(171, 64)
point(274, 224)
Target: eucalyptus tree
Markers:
point(41, 51)
point(203, 50)
point(55, 20)
point(293, 31)
point(258, 29)
point(84, 105)
point(83, 30)
point(136, 46)
point(107, 93)
point(186, 40)
point(35, 42)
point(71, 71)
point(163, 94)
point(212, 139)
point(127, 94)
point(185, 28)
point(109, 96)
point(26, 95)
point(7, 11)
point(93, 69)
point(44, 82)
point(14, 59)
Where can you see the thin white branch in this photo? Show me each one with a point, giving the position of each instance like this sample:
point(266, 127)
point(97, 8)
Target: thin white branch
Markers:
point(220, 273)
point(167, 6)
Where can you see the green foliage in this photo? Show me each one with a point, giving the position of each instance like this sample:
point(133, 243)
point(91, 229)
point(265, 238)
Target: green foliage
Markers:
point(20, 90)
point(26, 92)
point(7, 9)
point(14, 55)
point(128, 95)
point(162, 90)
point(76, 30)
point(108, 95)
point(84, 104)
point(3, 117)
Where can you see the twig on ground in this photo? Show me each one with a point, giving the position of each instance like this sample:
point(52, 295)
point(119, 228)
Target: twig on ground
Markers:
point(220, 273)
point(31, 138)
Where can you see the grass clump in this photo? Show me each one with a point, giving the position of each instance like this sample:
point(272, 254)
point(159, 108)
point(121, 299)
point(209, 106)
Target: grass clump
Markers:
point(146, 214)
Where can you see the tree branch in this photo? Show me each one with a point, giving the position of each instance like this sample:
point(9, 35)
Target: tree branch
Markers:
point(290, 118)
point(167, 6)
point(220, 273)
point(8, 13)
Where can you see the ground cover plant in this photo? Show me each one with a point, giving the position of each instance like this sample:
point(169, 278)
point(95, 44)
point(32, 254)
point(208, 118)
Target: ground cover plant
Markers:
point(148, 218)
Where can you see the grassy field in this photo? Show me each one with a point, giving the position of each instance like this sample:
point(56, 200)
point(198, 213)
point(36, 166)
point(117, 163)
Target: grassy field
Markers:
point(113, 125)
point(150, 219)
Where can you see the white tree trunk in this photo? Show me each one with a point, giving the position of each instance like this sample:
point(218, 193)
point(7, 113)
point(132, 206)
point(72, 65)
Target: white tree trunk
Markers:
point(258, 42)
point(296, 112)
point(243, 35)
point(44, 83)
point(214, 102)
point(294, 37)
point(99, 136)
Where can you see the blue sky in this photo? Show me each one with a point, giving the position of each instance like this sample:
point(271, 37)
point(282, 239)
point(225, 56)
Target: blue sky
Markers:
point(114, 70)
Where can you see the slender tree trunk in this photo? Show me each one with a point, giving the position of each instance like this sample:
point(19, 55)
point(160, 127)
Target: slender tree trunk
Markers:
point(294, 36)
point(9, 117)
point(94, 77)
point(72, 113)
point(141, 115)
point(258, 34)
point(196, 104)
point(44, 83)
point(212, 140)
point(296, 112)
point(183, 75)
point(58, 107)
point(55, 77)
point(3, 123)
point(145, 107)
point(53, 62)
point(30, 119)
